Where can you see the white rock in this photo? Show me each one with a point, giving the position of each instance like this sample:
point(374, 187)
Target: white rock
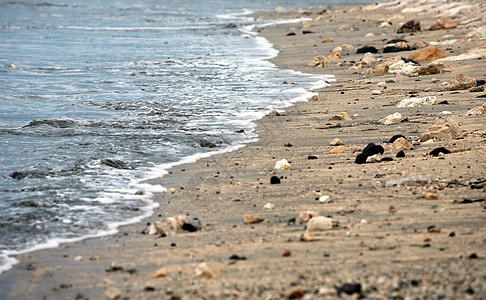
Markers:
point(418, 102)
point(370, 34)
point(391, 80)
point(337, 49)
point(282, 165)
point(376, 92)
point(381, 84)
point(269, 206)
point(325, 199)
point(391, 119)
point(374, 158)
point(446, 112)
point(319, 223)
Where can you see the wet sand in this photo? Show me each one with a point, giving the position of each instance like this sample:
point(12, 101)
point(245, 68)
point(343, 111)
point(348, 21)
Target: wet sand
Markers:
point(388, 241)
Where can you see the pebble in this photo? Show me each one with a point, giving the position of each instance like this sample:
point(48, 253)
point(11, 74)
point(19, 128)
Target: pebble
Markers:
point(337, 150)
point(349, 289)
point(376, 92)
point(340, 117)
point(249, 219)
point(319, 223)
point(336, 142)
point(438, 151)
point(162, 272)
point(269, 206)
point(274, 180)
point(395, 118)
point(305, 216)
point(78, 258)
point(113, 293)
point(325, 199)
point(282, 165)
point(366, 49)
point(400, 144)
point(308, 237)
point(205, 271)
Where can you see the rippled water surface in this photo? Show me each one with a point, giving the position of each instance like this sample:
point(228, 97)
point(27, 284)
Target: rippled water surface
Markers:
point(99, 95)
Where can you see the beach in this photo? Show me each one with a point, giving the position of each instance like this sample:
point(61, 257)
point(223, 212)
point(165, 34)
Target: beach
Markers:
point(411, 227)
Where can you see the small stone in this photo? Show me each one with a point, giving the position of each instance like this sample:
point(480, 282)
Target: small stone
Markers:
point(171, 191)
point(274, 180)
point(366, 49)
point(361, 158)
point(395, 118)
point(347, 46)
point(114, 266)
point(305, 216)
point(385, 25)
point(319, 223)
point(328, 40)
point(237, 257)
point(249, 219)
point(430, 196)
point(477, 111)
point(286, 253)
point(376, 92)
point(312, 157)
point(391, 80)
point(461, 82)
point(370, 34)
point(426, 54)
point(296, 294)
point(344, 27)
point(400, 154)
point(349, 289)
point(446, 132)
point(282, 165)
point(400, 144)
point(288, 145)
point(309, 237)
point(336, 142)
point(340, 117)
point(337, 150)
point(418, 102)
point(410, 26)
point(336, 55)
point(78, 258)
point(444, 22)
point(438, 151)
point(372, 149)
point(382, 68)
point(113, 293)
point(269, 206)
point(162, 272)
point(325, 199)
point(319, 62)
point(205, 271)
point(433, 229)
point(473, 256)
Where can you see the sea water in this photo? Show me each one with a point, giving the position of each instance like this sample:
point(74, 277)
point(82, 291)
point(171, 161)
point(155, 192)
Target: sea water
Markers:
point(98, 96)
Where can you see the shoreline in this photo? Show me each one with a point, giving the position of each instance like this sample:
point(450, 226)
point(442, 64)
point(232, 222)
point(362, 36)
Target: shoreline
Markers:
point(154, 174)
point(387, 252)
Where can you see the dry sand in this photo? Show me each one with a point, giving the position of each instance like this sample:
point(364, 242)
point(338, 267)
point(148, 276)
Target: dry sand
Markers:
point(387, 241)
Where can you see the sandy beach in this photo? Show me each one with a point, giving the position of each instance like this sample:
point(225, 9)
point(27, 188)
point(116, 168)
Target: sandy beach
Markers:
point(406, 227)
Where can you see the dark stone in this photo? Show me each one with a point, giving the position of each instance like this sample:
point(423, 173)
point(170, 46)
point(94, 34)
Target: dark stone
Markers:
point(349, 289)
point(394, 41)
point(481, 96)
point(407, 60)
point(361, 158)
point(439, 150)
point(312, 157)
point(23, 174)
point(452, 234)
point(473, 256)
point(366, 49)
point(401, 154)
point(206, 144)
point(274, 180)
point(387, 158)
point(372, 149)
point(189, 227)
point(396, 137)
point(237, 257)
point(149, 289)
point(414, 282)
point(393, 49)
point(470, 291)
point(410, 26)
point(445, 102)
point(480, 82)
point(115, 163)
point(307, 32)
point(291, 34)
